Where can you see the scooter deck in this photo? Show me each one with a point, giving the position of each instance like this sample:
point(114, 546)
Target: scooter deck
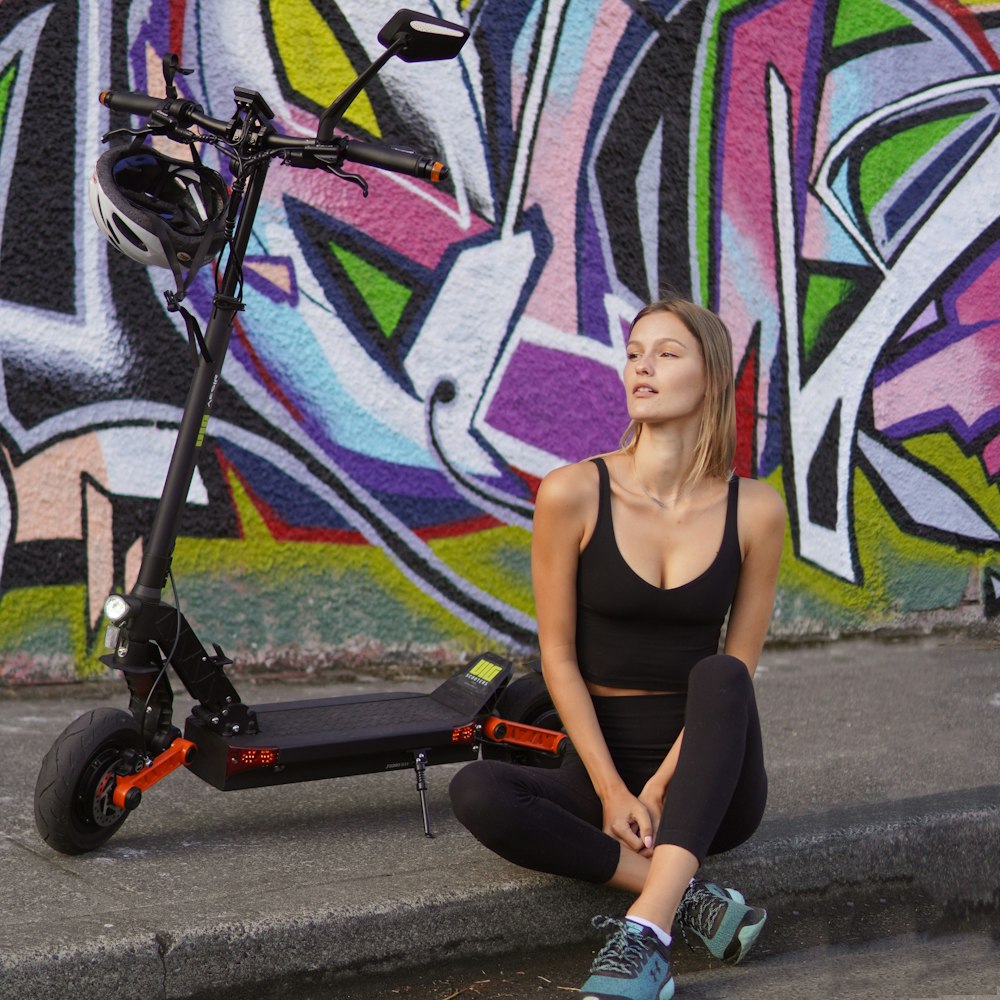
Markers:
point(353, 734)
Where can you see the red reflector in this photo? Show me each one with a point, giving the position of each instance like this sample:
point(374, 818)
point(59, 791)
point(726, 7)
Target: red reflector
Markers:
point(250, 758)
point(464, 734)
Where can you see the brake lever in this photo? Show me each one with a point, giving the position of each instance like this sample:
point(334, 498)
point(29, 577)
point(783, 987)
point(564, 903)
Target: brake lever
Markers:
point(348, 176)
point(157, 124)
point(135, 132)
point(330, 162)
point(178, 135)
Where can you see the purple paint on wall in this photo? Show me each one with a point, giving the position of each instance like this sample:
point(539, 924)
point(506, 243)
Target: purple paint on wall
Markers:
point(592, 280)
point(564, 404)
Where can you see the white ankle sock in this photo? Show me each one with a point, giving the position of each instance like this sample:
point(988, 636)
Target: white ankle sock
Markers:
point(655, 928)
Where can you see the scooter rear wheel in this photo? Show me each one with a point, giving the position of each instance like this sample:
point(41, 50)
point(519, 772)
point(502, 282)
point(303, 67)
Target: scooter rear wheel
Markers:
point(74, 809)
point(526, 699)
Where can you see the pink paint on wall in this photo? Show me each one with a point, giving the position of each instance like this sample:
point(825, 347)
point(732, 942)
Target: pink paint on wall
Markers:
point(956, 386)
point(991, 457)
point(408, 216)
point(556, 165)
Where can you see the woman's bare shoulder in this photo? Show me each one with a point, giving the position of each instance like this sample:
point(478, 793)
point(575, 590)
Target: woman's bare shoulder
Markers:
point(566, 506)
point(570, 487)
point(761, 506)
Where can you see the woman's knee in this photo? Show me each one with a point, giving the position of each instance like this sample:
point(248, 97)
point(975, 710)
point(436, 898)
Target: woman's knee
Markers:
point(721, 677)
point(467, 791)
point(481, 799)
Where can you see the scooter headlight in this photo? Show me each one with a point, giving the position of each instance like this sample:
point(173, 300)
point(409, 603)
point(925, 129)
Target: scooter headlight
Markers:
point(117, 608)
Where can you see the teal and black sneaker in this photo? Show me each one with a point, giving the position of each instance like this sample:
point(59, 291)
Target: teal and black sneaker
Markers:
point(721, 918)
point(634, 964)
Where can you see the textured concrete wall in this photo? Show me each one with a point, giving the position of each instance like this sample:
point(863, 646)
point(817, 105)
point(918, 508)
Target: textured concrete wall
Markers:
point(824, 174)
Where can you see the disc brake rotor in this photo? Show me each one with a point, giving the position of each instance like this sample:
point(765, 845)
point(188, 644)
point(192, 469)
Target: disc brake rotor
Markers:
point(95, 802)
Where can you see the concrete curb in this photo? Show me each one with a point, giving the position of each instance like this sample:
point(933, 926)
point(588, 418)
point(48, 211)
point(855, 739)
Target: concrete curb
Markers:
point(931, 862)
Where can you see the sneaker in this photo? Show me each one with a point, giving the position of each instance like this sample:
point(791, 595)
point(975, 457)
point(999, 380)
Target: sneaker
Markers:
point(721, 918)
point(634, 964)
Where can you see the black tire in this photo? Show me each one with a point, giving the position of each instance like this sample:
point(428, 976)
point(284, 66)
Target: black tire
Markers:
point(74, 811)
point(526, 700)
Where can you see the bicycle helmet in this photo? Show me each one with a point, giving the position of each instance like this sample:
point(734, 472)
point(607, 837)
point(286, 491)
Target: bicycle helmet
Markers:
point(157, 210)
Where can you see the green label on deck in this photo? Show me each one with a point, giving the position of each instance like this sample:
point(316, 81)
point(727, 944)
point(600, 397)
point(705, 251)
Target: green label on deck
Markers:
point(484, 670)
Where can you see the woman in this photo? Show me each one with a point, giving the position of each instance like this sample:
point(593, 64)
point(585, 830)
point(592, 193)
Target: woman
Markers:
point(637, 557)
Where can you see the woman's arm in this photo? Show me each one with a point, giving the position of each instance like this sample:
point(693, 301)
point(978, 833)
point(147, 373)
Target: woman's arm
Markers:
point(762, 533)
point(565, 504)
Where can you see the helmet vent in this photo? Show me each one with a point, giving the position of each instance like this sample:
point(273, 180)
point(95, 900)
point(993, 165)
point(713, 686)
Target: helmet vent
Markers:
point(105, 225)
point(123, 227)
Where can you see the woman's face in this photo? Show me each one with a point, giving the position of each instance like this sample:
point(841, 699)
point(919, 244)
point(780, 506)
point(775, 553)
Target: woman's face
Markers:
point(664, 370)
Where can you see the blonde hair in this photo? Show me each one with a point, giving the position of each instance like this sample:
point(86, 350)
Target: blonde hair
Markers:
point(716, 444)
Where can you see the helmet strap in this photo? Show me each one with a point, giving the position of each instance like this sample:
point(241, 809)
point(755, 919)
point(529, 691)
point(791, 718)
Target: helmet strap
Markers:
point(196, 340)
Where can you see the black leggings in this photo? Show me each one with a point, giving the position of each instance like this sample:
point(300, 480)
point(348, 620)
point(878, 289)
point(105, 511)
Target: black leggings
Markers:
point(551, 820)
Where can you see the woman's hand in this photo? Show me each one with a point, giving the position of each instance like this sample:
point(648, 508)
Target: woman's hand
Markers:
point(627, 819)
point(652, 797)
point(654, 792)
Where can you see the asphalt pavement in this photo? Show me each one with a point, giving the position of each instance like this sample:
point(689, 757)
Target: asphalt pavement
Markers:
point(958, 966)
point(883, 820)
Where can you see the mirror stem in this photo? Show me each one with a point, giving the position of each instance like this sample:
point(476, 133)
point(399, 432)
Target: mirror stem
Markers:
point(330, 118)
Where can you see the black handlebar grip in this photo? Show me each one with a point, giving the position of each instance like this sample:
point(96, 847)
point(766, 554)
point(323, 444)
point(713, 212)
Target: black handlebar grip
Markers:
point(402, 161)
point(136, 104)
point(145, 104)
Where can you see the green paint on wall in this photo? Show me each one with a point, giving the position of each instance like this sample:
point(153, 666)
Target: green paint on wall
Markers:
point(8, 76)
point(903, 574)
point(497, 561)
point(890, 159)
point(857, 19)
point(265, 593)
point(385, 297)
point(942, 452)
point(823, 293)
point(807, 593)
point(47, 622)
point(314, 60)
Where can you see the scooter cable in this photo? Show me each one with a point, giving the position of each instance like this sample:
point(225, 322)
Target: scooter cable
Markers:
point(167, 659)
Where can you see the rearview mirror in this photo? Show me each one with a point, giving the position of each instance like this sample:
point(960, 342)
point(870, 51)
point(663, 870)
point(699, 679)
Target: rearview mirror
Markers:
point(412, 36)
point(424, 38)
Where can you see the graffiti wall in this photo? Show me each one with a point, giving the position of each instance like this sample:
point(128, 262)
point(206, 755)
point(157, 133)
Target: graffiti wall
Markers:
point(824, 173)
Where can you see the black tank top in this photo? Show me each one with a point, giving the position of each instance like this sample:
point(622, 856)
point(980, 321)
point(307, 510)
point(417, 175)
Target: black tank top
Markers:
point(631, 633)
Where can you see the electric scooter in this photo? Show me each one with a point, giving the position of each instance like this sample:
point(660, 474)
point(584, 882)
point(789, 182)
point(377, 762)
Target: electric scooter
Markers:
point(97, 770)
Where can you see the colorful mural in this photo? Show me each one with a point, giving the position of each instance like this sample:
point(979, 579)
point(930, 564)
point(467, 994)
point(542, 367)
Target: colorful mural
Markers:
point(408, 366)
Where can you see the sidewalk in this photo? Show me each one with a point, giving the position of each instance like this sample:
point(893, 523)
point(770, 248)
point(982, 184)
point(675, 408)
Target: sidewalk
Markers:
point(884, 816)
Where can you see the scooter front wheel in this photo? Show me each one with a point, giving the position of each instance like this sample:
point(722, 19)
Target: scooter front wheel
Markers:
point(74, 806)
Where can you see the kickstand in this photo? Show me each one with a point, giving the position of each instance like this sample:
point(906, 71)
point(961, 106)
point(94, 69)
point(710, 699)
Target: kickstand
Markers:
point(420, 766)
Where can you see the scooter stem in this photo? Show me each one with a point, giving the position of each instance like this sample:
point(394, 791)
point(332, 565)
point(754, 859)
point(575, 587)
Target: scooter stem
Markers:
point(197, 408)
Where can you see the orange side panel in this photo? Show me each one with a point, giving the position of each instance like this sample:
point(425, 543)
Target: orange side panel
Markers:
point(517, 734)
point(178, 753)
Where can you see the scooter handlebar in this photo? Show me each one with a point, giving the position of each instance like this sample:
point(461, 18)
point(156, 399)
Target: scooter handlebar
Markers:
point(184, 111)
point(402, 161)
point(310, 153)
point(135, 104)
